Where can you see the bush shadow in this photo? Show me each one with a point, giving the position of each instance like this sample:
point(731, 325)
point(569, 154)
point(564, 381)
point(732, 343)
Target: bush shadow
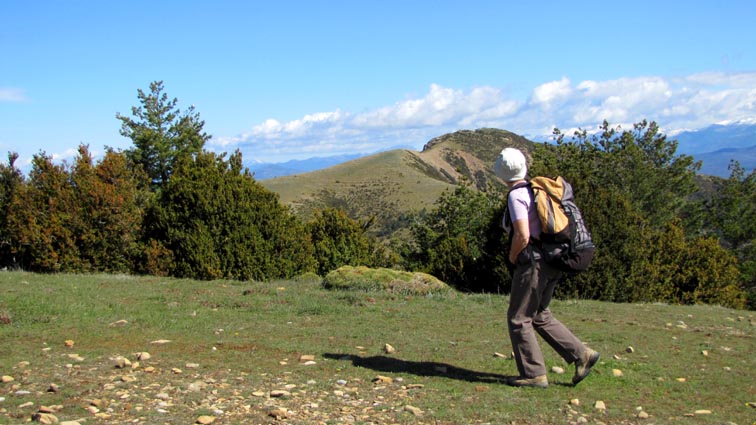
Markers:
point(394, 365)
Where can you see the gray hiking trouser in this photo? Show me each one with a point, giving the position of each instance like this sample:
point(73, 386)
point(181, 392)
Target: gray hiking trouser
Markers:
point(532, 288)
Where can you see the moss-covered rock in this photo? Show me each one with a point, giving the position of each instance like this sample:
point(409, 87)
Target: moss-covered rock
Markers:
point(382, 279)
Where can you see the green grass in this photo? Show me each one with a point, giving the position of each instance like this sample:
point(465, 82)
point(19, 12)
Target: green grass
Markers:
point(240, 338)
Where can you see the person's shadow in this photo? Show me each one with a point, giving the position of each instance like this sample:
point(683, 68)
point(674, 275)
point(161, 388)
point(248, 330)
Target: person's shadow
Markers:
point(394, 365)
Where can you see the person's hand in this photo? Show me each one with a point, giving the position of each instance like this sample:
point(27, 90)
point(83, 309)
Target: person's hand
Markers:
point(510, 266)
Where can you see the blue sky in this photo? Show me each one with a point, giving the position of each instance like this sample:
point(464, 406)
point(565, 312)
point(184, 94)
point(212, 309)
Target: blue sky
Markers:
point(292, 80)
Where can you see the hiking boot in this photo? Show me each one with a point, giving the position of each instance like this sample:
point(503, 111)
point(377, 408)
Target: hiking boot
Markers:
point(584, 364)
point(537, 382)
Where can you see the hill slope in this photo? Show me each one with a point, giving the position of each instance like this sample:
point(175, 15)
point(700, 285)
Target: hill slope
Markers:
point(388, 186)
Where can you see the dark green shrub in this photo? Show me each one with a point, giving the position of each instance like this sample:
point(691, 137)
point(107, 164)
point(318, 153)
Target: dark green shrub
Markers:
point(461, 242)
point(338, 240)
point(218, 222)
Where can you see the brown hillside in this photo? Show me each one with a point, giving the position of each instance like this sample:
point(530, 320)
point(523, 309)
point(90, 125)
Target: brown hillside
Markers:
point(388, 187)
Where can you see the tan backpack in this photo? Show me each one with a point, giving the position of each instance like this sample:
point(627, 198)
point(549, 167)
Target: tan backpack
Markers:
point(565, 240)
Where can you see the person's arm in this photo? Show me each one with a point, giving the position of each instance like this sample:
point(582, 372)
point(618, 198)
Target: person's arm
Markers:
point(520, 239)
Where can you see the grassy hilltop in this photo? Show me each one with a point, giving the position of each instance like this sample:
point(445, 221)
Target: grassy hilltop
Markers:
point(389, 185)
point(292, 352)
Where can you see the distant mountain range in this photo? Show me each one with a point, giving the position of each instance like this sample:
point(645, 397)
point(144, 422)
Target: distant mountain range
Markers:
point(270, 170)
point(715, 146)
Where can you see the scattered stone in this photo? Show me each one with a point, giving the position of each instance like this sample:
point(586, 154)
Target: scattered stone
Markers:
point(44, 418)
point(643, 415)
point(499, 355)
point(705, 353)
point(192, 365)
point(93, 410)
point(176, 371)
point(575, 402)
point(414, 386)
point(142, 356)
point(558, 370)
point(22, 392)
point(389, 349)
point(161, 341)
point(122, 362)
point(681, 380)
point(162, 396)
point(341, 382)
point(23, 365)
point(205, 420)
point(582, 420)
point(197, 386)
point(149, 369)
point(121, 322)
point(383, 380)
point(278, 413)
point(310, 363)
point(6, 379)
point(69, 343)
point(76, 357)
point(128, 378)
point(617, 357)
point(630, 349)
point(702, 412)
point(94, 402)
point(599, 405)
point(280, 393)
point(53, 388)
point(259, 394)
point(70, 423)
point(414, 410)
point(306, 358)
point(616, 373)
point(25, 405)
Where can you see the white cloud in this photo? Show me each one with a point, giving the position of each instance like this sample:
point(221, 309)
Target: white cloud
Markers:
point(68, 154)
point(547, 93)
point(688, 102)
point(9, 94)
point(441, 106)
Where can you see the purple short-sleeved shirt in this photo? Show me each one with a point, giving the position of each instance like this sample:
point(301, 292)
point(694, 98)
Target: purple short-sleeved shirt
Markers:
point(521, 206)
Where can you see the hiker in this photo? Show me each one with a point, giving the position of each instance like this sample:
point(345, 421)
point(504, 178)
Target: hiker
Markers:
point(533, 282)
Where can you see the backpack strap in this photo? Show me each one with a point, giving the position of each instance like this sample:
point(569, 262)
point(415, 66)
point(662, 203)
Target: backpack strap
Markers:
point(507, 221)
